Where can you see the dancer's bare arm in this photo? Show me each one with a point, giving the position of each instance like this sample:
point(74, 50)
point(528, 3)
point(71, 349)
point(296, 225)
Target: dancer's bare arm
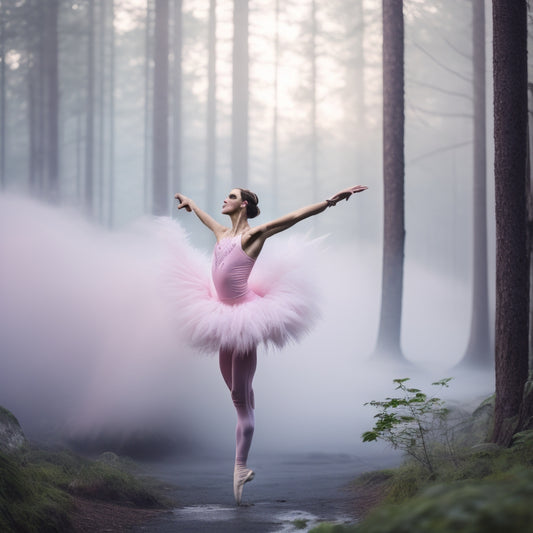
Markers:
point(189, 205)
point(255, 238)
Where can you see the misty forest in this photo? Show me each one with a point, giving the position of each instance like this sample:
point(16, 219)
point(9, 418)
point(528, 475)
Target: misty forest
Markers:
point(110, 107)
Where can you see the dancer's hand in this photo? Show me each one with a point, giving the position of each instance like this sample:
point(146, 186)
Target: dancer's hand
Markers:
point(345, 194)
point(183, 202)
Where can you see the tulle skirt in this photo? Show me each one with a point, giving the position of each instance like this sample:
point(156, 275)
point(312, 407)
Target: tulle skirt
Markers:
point(282, 305)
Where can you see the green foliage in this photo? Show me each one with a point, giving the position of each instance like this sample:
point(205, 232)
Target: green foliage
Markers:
point(36, 488)
point(413, 422)
point(469, 507)
point(27, 502)
point(101, 481)
point(487, 488)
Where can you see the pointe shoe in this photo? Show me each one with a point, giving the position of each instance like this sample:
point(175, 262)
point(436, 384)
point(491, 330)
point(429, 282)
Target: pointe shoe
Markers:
point(241, 475)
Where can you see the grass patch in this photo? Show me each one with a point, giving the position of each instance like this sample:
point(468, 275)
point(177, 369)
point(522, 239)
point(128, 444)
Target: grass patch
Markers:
point(36, 488)
point(28, 503)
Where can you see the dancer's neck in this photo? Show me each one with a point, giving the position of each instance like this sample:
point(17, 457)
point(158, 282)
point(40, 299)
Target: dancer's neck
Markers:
point(239, 223)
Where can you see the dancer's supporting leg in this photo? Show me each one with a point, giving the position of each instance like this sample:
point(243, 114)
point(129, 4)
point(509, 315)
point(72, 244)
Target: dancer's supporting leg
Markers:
point(238, 371)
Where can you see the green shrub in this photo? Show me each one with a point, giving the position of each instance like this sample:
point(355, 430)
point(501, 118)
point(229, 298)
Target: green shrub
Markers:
point(414, 423)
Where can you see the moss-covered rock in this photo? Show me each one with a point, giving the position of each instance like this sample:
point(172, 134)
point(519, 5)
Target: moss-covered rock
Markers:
point(11, 435)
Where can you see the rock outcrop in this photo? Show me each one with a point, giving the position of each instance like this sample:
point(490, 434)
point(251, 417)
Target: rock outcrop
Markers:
point(11, 435)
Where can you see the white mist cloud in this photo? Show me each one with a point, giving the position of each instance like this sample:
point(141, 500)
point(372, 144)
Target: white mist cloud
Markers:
point(85, 343)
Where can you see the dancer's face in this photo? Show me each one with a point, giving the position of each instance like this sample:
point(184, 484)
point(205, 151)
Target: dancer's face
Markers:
point(233, 202)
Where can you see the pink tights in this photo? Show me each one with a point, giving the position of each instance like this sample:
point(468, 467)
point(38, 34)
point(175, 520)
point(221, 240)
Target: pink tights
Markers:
point(238, 371)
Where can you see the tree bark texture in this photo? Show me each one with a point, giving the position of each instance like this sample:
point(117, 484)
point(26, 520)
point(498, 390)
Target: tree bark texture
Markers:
point(393, 179)
point(160, 198)
point(530, 220)
point(512, 264)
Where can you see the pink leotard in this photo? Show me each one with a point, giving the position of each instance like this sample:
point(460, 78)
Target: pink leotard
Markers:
point(230, 271)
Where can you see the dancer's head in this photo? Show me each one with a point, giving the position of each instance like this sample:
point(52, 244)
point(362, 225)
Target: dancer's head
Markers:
point(251, 200)
point(241, 199)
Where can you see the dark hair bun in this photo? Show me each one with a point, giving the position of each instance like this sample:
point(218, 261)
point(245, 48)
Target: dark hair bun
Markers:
point(251, 200)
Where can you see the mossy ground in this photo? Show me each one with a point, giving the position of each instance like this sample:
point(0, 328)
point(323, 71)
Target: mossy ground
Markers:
point(37, 488)
point(485, 489)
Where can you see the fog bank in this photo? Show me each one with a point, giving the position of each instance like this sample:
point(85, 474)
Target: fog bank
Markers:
point(86, 345)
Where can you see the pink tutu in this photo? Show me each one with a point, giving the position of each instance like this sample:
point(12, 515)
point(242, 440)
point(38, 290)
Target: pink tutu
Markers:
point(282, 307)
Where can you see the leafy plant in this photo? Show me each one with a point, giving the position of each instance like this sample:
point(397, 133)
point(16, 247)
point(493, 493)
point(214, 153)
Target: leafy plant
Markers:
point(413, 422)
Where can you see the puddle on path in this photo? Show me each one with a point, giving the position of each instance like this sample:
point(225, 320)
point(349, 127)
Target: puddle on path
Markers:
point(291, 521)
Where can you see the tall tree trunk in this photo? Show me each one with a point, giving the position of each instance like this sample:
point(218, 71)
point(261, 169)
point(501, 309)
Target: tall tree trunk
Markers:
point(32, 13)
point(359, 80)
point(79, 101)
point(41, 139)
point(160, 198)
point(111, 177)
point(211, 133)
point(52, 89)
point(525, 421)
point(79, 150)
point(388, 343)
point(314, 134)
point(512, 264)
point(361, 141)
point(89, 125)
point(102, 42)
point(530, 222)
point(32, 124)
point(177, 104)
point(147, 105)
point(239, 130)
point(2, 96)
point(274, 178)
point(478, 351)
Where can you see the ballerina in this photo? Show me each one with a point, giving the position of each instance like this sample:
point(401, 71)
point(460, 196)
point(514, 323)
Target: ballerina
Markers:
point(248, 317)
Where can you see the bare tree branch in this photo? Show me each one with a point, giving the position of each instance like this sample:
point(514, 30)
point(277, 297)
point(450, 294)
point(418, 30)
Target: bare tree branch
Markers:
point(442, 65)
point(440, 150)
point(441, 89)
point(442, 114)
point(455, 49)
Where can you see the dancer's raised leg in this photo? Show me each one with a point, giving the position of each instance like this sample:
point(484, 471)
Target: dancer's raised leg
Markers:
point(238, 371)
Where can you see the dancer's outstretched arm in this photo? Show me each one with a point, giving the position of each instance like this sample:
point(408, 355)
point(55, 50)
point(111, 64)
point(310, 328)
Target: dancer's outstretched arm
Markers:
point(208, 220)
point(255, 238)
